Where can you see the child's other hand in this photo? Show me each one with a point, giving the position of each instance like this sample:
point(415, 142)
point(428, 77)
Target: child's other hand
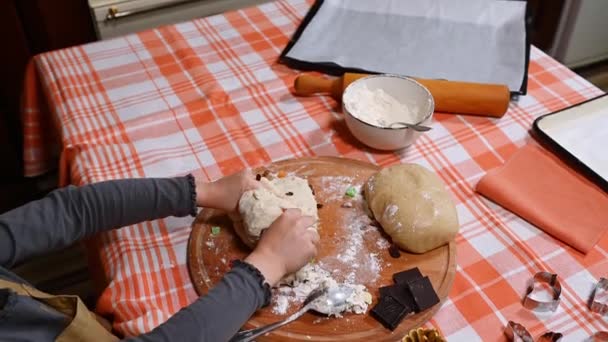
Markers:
point(287, 245)
point(226, 192)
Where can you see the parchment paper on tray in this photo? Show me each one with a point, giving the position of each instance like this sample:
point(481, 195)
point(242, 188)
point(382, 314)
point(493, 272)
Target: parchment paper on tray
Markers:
point(466, 40)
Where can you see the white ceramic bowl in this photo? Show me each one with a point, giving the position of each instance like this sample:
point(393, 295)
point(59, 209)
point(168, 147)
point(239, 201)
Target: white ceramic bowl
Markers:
point(403, 89)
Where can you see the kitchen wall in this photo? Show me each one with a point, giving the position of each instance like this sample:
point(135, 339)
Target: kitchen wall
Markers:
point(582, 36)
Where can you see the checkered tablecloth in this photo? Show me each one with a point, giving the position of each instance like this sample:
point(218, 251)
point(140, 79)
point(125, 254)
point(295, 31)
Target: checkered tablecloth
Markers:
point(208, 97)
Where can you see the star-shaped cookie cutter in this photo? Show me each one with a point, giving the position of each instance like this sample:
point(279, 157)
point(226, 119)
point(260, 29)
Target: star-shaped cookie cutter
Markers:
point(518, 333)
point(597, 306)
point(538, 305)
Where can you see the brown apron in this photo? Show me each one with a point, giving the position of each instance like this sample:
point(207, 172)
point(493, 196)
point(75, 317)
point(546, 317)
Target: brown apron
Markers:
point(84, 325)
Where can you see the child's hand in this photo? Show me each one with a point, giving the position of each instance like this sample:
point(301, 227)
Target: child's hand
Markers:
point(287, 245)
point(226, 192)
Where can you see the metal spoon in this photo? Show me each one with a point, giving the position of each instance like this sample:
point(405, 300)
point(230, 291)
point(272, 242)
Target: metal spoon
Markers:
point(418, 128)
point(323, 300)
point(249, 335)
point(334, 302)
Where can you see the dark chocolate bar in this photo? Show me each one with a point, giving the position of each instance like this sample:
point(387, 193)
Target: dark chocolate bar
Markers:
point(389, 312)
point(385, 290)
point(400, 293)
point(423, 293)
point(407, 276)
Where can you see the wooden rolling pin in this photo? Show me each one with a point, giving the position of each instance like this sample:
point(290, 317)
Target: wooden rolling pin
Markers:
point(450, 97)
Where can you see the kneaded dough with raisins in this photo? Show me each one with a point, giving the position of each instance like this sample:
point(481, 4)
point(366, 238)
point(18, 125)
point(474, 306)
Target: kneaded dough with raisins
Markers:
point(261, 207)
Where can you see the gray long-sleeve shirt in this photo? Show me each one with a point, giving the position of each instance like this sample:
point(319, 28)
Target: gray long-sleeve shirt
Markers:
point(71, 214)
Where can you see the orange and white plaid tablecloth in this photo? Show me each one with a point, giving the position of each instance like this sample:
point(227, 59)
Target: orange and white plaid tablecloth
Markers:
point(208, 97)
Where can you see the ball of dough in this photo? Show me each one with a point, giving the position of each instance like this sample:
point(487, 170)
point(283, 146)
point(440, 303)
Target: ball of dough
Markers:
point(413, 207)
point(261, 207)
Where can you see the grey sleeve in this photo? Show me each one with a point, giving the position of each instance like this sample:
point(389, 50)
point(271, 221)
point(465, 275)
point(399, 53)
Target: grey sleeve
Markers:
point(218, 315)
point(70, 214)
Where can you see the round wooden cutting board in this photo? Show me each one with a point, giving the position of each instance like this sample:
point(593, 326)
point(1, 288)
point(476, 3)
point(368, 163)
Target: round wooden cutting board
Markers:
point(350, 248)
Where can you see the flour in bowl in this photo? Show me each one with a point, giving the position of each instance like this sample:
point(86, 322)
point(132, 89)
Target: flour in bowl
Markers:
point(379, 108)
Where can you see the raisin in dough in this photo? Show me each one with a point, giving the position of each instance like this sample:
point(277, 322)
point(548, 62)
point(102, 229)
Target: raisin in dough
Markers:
point(261, 207)
point(413, 207)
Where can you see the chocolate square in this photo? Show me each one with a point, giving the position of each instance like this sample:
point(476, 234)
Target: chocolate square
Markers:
point(407, 276)
point(389, 312)
point(400, 293)
point(385, 290)
point(423, 293)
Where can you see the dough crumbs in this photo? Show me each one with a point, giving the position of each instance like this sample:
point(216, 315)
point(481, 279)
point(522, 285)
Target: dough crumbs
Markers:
point(296, 287)
point(281, 300)
point(281, 304)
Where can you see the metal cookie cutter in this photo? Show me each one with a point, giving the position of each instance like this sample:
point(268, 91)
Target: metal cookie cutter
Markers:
point(550, 337)
point(517, 332)
point(536, 305)
point(601, 336)
point(596, 305)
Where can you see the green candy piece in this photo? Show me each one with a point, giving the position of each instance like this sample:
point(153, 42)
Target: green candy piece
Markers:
point(351, 191)
point(215, 230)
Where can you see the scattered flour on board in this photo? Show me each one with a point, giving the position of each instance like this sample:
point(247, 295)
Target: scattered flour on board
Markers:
point(335, 187)
point(383, 244)
point(353, 254)
point(353, 264)
point(319, 320)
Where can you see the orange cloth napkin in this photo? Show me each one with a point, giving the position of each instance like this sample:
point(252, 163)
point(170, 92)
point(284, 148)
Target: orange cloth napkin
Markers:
point(542, 189)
